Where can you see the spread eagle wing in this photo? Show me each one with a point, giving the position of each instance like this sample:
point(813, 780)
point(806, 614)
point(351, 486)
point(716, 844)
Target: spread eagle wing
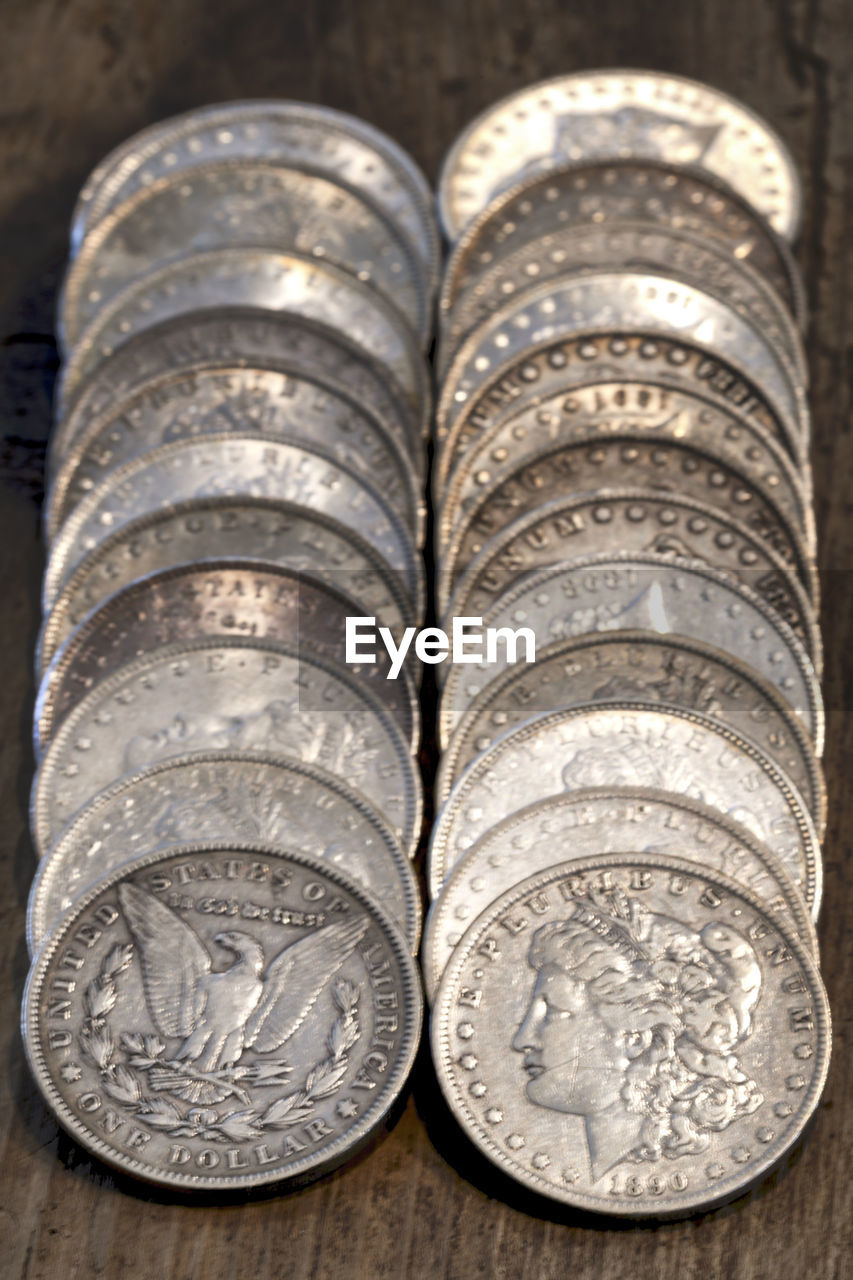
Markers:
point(295, 979)
point(174, 961)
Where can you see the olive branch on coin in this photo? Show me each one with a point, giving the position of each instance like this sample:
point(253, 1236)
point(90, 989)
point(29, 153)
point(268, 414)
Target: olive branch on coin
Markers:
point(121, 1082)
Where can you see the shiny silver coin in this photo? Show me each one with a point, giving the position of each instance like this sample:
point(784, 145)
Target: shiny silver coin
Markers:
point(582, 824)
point(230, 464)
point(244, 796)
point(564, 367)
point(618, 190)
point(226, 695)
point(602, 115)
point(666, 249)
point(214, 598)
point(299, 133)
point(634, 520)
point(659, 594)
point(212, 400)
point(270, 529)
point(648, 668)
point(663, 465)
point(628, 300)
point(224, 1028)
point(230, 336)
point(650, 411)
point(254, 278)
point(632, 1034)
point(239, 202)
point(630, 744)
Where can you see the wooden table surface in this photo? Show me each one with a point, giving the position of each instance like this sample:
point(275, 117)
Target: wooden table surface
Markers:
point(78, 76)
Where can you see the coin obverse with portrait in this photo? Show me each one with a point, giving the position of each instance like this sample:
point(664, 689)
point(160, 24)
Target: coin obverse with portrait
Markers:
point(631, 1034)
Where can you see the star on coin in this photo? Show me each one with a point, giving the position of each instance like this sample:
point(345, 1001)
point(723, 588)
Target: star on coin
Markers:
point(741, 1155)
point(571, 1176)
point(346, 1108)
point(70, 1072)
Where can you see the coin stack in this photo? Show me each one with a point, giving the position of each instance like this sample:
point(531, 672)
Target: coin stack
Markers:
point(627, 1011)
point(237, 469)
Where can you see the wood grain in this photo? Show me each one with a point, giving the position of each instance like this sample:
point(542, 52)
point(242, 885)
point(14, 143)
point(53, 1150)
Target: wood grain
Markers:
point(77, 77)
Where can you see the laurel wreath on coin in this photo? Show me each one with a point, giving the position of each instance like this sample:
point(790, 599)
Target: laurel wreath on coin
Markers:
point(145, 1054)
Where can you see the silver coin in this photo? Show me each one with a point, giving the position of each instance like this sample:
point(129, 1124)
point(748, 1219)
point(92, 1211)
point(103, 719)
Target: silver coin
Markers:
point(230, 464)
point(632, 1034)
point(212, 400)
point(268, 529)
point(226, 695)
point(647, 668)
point(627, 744)
point(343, 146)
point(214, 598)
point(244, 796)
point(653, 411)
point(237, 336)
point(663, 465)
point(250, 203)
point(633, 520)
point(666, 595)
point(255, 278)
point(623, 300)
point(602, 115)
point(664, 248)
point(626, 189)
point(582, 824)
point(182, 1067)
point(563, 367)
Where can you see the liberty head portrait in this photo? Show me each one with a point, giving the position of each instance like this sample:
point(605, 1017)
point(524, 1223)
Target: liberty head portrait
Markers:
point(634, 1024)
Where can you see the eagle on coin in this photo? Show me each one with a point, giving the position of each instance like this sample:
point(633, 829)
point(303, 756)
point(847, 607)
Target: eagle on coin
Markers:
point(220, 1014)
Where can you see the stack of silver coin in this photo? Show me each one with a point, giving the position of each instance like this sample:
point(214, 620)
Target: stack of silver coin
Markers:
point(628, 1015)
point(237, 468)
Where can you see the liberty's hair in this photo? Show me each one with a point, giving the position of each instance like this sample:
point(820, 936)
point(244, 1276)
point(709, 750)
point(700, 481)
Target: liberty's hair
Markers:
point(679, 1001)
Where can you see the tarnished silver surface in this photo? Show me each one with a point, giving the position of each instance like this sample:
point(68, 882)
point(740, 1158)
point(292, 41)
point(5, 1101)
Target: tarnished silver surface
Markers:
point(666, 249)
point(226, 695)
point(269, 399)
point(341, 145)
point(270, 529)
point(592, 745)
point(663, 465)
point(552, 368)
point(634, 520)
point(669, 596)
point(629, 301)
point(254, 278)
point(582, 824)
point(215, 598)
point(620, 190)
point(600, 115)
point(243, 796)
point(237, 336)
point(632, 1034)
point(644, 667)
point(230, 464)
point(224, 1027)
point(245, 202)
point(652, 411)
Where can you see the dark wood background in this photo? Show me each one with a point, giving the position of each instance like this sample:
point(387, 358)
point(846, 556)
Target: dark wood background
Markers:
point(78, 76)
